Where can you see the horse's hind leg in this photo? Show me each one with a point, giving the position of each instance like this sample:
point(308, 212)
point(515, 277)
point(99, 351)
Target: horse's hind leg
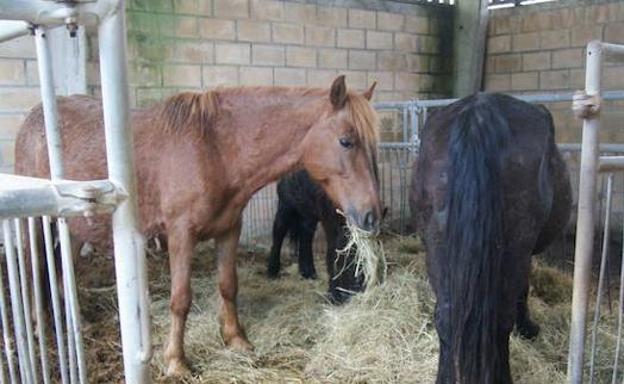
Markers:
point(280, 229)
point(526, 327)
point(231, 329)
point(181, 247)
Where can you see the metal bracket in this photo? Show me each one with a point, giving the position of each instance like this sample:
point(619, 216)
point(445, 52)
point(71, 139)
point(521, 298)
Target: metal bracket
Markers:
point(586, 106)
point(23, 196)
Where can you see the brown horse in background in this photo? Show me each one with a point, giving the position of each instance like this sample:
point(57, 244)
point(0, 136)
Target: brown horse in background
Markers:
point(199, 157)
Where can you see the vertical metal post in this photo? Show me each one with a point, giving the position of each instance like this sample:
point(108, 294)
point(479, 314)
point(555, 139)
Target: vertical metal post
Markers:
point(606, 238)
point(128, 242)
point(21, 263)
point(36, 276)
point(6, 333)
point(56, 302)
point(16, 306)
point(415, 122)
point(48, 99)
point(585, 221)
point(405, 124)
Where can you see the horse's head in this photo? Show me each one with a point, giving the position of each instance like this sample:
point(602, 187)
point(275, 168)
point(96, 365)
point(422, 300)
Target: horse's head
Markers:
point(340, 154)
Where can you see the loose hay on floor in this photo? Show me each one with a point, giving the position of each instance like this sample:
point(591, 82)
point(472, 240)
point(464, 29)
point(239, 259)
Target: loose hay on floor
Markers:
point(383, 336)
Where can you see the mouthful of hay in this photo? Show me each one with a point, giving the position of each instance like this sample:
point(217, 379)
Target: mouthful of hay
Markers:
point(368, 254)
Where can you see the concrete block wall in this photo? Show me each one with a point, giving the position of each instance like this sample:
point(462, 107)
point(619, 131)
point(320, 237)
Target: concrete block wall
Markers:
point(541, 48)
point(18, 92)
point(177, 45)
point(188, 44)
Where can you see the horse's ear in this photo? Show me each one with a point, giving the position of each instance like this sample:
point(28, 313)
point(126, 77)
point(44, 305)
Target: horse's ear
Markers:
point(368, 94)
point(338, 92)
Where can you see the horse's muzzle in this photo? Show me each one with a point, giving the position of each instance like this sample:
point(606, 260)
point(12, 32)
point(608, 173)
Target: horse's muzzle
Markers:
point(368, 221)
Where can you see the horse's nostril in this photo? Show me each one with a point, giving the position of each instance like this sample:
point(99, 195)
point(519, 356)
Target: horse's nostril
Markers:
point(369, 220)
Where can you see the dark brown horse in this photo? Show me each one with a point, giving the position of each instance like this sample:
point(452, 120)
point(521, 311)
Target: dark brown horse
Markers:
point(301, 206)
point(201, 156)
point(490, 189)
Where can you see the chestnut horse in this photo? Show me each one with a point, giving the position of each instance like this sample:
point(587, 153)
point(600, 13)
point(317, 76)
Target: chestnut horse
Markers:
point(199, 157)
point(490, 189)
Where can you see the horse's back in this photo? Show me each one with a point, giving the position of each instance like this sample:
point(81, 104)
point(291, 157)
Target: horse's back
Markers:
point(82, 135)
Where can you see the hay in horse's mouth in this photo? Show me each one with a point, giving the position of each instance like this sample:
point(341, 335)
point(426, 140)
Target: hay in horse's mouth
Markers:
point(369, 255)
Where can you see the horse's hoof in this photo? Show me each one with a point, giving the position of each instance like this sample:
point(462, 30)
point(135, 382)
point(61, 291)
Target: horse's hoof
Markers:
point(528, 330)
point(240, 344)
point(309, 275)
point(337, 297)
point(273, 271)
point(177, 368)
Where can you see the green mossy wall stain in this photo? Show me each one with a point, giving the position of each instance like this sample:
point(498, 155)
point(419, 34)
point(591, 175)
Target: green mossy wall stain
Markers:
point(150, 5)
point(150, 26)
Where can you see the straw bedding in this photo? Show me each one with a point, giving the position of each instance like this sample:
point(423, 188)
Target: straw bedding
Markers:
point(383, 336)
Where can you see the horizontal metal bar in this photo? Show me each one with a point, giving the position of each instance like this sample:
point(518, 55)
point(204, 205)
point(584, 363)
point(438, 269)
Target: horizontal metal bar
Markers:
point(46, 12)
point(26, 196)
point(613, 148)
point(434, 103)
point(613, 51)
point(384, 105)
point(396, 145)
point(566, 147)
point(531, 98)
point(610, 163)
point(11, 29)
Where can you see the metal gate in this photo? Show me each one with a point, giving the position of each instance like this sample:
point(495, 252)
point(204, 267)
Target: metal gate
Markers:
point(587, 105)
point(28, 205)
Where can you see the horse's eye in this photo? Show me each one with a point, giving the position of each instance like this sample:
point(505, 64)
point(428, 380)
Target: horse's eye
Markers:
point(346, 142)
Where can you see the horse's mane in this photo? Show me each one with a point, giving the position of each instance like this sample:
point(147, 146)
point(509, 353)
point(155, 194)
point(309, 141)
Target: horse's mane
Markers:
point(197, 111)
point(364, 120)
point(189, 111)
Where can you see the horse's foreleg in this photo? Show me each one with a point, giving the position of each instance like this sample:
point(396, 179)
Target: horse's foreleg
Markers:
point(280, 229)
point(231, 329)
point(306, 256)
point(181, 246)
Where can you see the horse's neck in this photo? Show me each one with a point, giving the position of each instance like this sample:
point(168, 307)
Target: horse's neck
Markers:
point(266, 140)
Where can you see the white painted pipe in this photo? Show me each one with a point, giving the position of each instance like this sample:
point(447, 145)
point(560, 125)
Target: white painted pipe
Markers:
point(52, 13)
point(33, 235)
point(73, 312)
point(130, 270)
point(611, 163)
point(26, 197)
point(30, 338)
point(48, 100)
point(16, 306)
point(585, 220)
point(11, 29)
point(56, 302)
point(6, 333)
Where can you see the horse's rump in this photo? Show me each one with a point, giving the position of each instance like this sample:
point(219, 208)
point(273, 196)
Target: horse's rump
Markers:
point(487, 180)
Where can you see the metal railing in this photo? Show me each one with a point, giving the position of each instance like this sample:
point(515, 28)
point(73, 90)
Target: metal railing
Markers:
point(497, 4)
point(28, 201)
point(587, 105)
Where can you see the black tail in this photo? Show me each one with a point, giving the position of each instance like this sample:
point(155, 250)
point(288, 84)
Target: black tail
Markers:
point(474, 238)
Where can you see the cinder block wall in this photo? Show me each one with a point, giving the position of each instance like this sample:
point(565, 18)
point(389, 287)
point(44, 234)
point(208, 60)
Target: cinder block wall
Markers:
point(541, 48)
point(177, 45)
point(18, 92)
